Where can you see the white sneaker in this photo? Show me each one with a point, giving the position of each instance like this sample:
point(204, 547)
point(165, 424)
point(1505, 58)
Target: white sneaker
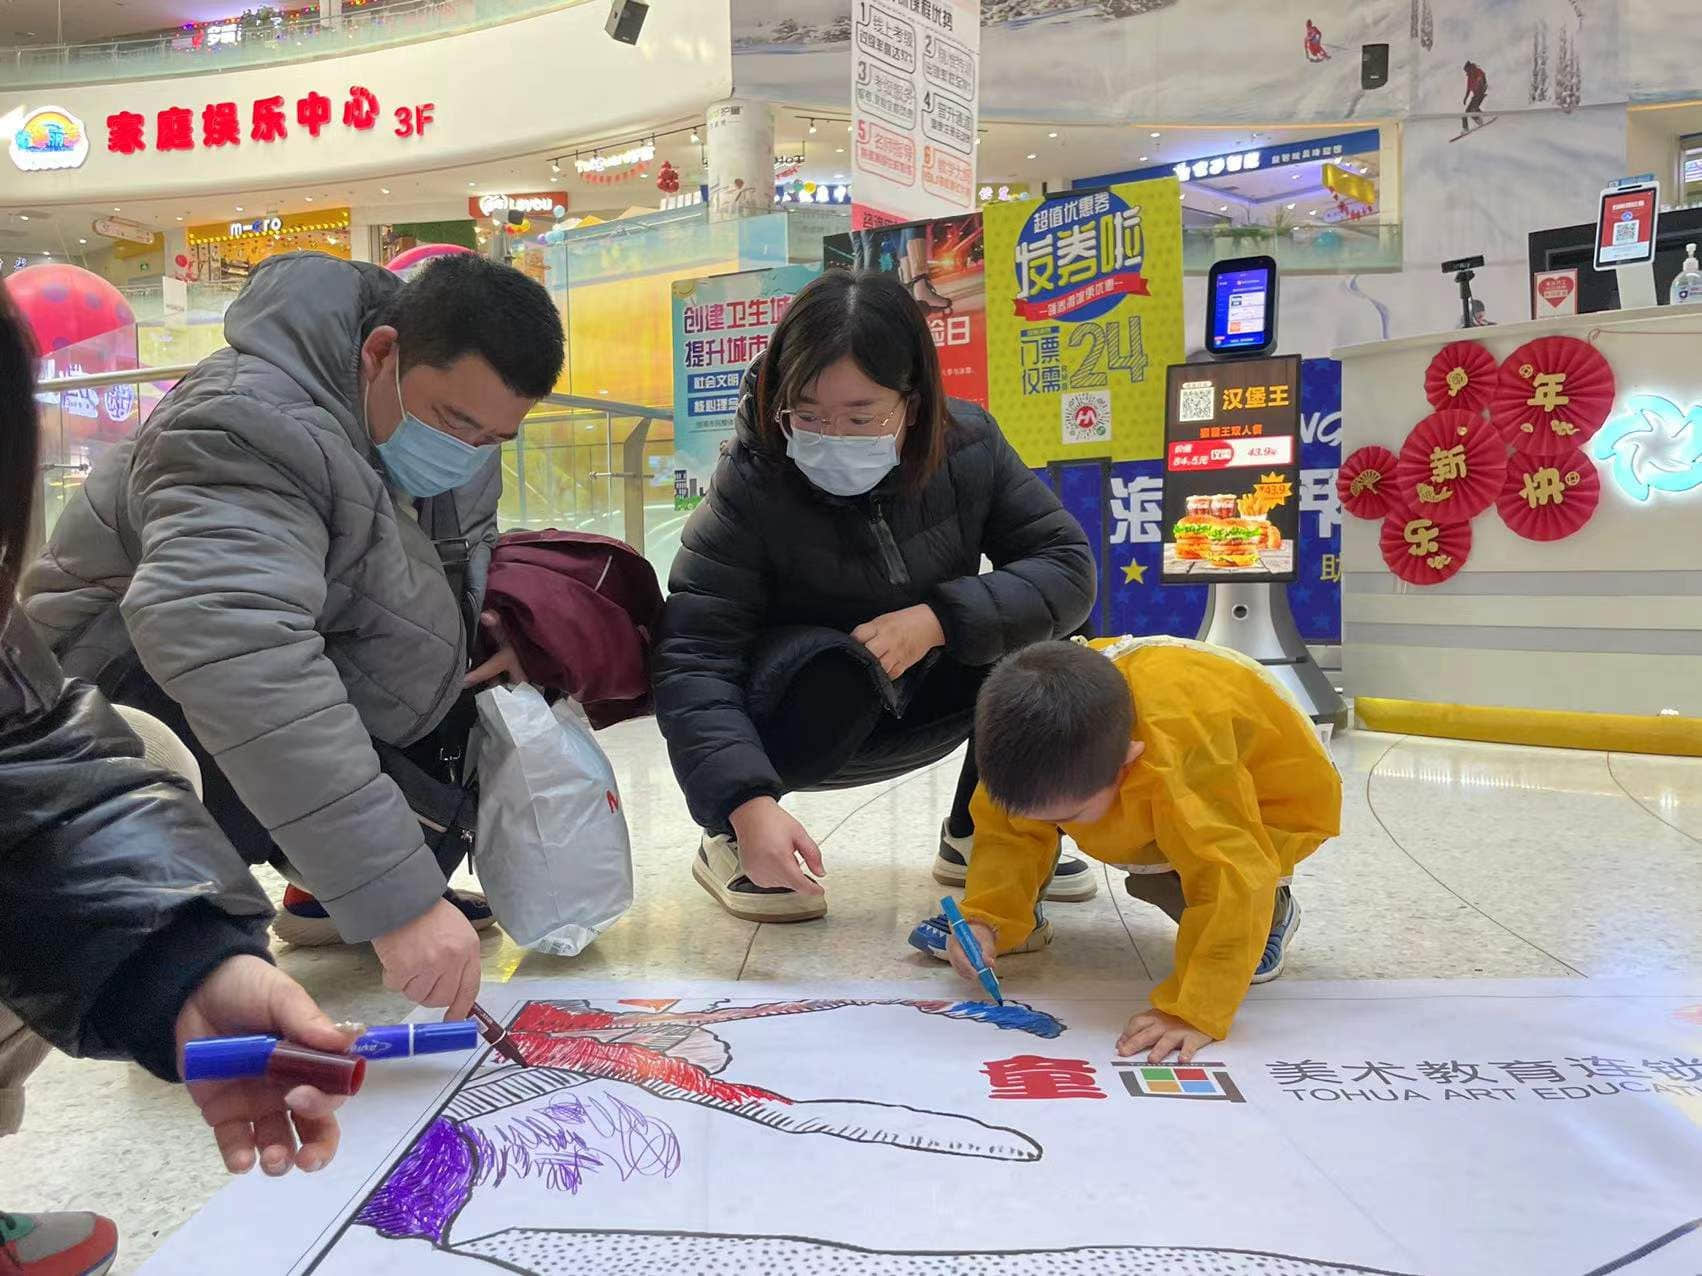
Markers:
point(1073, 880)
point(716, 867)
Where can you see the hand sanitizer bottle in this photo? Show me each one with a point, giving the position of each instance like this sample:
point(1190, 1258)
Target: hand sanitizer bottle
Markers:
point(1687, 285)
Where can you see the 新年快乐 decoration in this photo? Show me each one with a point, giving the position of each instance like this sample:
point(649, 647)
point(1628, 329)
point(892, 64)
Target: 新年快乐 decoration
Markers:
point(1548, 498)
point(1366, 482)
point(1553, 394)
point(1422, 551)
point(1451, 466)
point(1462, 375)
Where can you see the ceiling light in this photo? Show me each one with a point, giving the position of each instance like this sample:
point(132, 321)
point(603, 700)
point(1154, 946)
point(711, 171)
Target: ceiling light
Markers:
point(310, 199)
point(1142, 159)
point(812, 126)
point(383, 190)
point(1290, 207)
point(82, 241)
point(1052, 134)
point(555, 167)
point(1157, 135)
point(180, 218)
point(117, 209)
point(1311, 212)
point(239, 208)
point(840, 150)
point(1032, 155)
point(23, 217)
point(472, 183)
point(1294, 177)
point(1223, 208)
point(695, 139)
point(977, 141)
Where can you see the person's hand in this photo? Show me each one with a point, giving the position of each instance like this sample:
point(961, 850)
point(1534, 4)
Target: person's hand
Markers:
point(504, 666)
point(989, 952)
point(900, 638)
point(1165, 1034)
point(254, 1117)
point(433, 960)
point(770, 844)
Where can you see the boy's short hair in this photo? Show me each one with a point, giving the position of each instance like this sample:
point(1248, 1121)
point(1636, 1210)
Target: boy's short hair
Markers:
point(1053, 723)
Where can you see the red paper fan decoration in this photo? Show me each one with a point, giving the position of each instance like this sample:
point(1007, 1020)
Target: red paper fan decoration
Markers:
point(1366, 482)
point(1553, 395)
point(1451, 466)
point(1421, 551)
point(1549, 498)
point(1462, 375)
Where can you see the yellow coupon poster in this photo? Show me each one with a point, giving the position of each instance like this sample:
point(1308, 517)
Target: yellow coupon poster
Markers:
point(1084, 314)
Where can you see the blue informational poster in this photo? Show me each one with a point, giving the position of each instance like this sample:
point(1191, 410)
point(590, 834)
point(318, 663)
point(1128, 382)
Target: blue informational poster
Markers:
point(1121, 508)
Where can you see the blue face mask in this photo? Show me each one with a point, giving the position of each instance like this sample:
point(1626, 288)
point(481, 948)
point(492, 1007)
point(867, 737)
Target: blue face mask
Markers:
point(426, 462)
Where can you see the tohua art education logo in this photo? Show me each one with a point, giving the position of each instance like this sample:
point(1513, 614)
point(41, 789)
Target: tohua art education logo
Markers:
point(1077, 257)
point(1188, 1081)
point(1654, 446)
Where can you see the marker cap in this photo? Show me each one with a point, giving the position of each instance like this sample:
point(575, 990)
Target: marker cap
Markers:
point(437, 1038)
point(293, 1065)
point(227, 1058)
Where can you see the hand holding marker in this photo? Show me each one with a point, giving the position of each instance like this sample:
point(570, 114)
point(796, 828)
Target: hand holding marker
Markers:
point(971, 950)
point(227, 1058)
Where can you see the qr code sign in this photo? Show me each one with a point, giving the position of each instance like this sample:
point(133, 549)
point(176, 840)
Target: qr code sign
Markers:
point(1196, 402)
point(1624, 233)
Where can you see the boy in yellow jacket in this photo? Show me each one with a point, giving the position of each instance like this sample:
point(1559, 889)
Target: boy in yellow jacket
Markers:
point(1185, 765)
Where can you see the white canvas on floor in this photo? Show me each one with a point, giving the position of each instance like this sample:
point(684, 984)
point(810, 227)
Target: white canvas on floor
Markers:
point(1548, 1128)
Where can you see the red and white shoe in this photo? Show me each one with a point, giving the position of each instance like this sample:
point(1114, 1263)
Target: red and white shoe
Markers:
point(78, 1244)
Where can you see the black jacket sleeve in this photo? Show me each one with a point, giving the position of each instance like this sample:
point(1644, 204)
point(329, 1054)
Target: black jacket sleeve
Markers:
point(118, 892)
point(718, 594)
point(1043, 580)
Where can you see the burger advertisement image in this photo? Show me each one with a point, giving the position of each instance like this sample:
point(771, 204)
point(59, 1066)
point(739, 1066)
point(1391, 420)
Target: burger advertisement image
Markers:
point(1231, 471)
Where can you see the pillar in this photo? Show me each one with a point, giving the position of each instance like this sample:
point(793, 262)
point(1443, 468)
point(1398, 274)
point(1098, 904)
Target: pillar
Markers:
point(739, 148)
point(330, 13)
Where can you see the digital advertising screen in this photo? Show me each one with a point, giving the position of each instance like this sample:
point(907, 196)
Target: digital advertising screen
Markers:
point(1243, 306)
point(1231, 471)
point(1625, 232)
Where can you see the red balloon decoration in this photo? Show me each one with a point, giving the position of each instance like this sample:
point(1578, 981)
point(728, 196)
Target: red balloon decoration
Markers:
point(1421, 551)
point(1366, 482)
point(66, 306)
point(1451, 466)
point(1549, 498)
point(1462, 375)
point(1553, 395)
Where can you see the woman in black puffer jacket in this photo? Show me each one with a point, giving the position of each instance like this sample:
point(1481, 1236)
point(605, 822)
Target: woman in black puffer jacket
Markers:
point(829, 623)
point(128, 924)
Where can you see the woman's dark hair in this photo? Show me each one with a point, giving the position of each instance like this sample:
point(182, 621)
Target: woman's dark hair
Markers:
point(20, 442)
point(872, 318)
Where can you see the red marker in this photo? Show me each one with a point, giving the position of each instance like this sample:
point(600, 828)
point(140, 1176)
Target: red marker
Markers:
point(497, 1035)
point(283, 1062)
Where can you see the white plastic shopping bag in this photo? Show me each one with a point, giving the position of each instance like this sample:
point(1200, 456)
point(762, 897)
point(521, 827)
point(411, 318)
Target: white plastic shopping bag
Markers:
point(552, 852)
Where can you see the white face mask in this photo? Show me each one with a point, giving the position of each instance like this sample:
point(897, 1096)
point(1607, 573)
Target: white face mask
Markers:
point(843, 465)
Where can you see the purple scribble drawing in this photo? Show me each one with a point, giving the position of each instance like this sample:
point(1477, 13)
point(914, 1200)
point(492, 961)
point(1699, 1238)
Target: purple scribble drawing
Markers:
point(428, 1187)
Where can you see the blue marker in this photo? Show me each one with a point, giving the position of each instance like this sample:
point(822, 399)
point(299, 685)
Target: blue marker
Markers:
point(223, 1058)
point(971, 949)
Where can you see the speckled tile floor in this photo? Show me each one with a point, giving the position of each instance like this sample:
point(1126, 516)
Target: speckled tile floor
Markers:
point(1456, 860)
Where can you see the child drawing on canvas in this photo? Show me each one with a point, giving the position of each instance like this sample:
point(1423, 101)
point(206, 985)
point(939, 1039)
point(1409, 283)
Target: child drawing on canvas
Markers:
point(1187, 767)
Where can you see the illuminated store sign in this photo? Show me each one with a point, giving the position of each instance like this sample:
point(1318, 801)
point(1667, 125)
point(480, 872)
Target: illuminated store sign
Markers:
point(271, 226)
point(1653, 446)
point(1314, 150)
point(267, 120)
point(601, 163)
point(47, 138)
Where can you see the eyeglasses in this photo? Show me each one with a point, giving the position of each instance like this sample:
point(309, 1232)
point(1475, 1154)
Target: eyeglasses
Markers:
point(863, 423)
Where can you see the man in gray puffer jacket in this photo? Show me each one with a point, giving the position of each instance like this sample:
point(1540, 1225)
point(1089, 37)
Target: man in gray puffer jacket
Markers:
point(268, 555)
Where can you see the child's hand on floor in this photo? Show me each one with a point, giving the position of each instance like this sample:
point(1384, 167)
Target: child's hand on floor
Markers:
point(989, 952)
point(1164, 1034)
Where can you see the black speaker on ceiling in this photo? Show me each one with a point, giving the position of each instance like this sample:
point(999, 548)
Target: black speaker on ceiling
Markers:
point(1373, 66)
point(626, 20)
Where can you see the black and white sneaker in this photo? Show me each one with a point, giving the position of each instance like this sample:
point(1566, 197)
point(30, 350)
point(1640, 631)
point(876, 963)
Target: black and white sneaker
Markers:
point(716, 868)
point(1073, 880)
point(1282, 935)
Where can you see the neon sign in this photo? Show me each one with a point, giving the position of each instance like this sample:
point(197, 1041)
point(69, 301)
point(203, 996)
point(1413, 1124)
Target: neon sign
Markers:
point(1653, 446)
point(601, 163)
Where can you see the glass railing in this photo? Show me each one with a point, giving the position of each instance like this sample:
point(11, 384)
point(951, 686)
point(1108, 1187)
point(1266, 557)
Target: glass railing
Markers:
point(579, 464)
point(1342, 248)
point(226, 46)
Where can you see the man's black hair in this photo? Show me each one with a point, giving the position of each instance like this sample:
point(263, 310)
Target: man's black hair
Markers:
point(1053, 723)
point(468, 304)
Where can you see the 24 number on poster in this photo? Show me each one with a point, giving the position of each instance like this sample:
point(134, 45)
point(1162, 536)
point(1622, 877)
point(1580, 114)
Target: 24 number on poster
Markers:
point(1092, 305)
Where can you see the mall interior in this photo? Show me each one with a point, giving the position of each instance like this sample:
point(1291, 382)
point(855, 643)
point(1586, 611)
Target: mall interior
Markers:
point(1167, 248)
